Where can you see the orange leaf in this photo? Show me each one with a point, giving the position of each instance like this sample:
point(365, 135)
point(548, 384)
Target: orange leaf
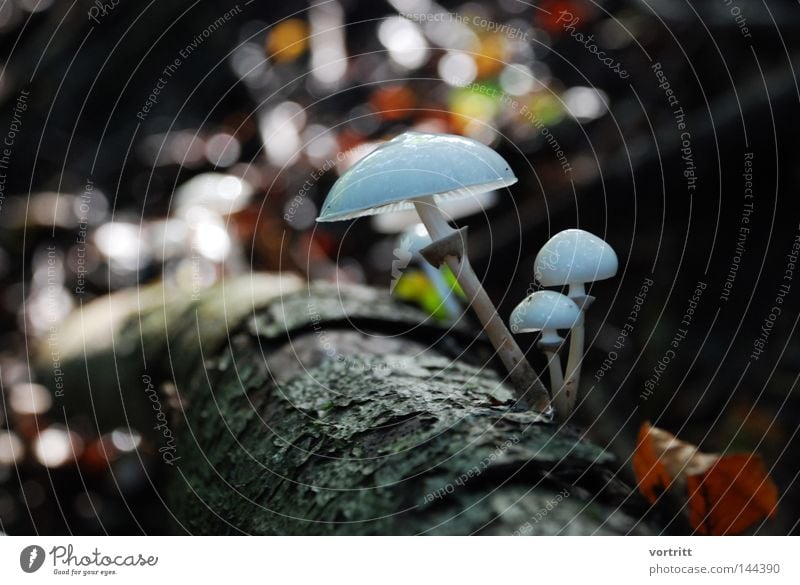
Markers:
point(731, 496)
point(724, 494)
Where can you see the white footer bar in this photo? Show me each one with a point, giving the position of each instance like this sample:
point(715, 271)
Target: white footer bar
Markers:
point(390, 560)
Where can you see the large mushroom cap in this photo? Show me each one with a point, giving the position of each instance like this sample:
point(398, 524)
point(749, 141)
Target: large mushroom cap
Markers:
point(412, 165)
point(574, 256)
point(545, 309)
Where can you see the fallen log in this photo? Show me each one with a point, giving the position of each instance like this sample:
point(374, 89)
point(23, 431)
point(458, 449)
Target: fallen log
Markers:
point(336, 410)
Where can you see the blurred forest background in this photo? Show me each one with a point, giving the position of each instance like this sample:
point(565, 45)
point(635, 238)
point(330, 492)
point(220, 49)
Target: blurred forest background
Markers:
point(114, 116)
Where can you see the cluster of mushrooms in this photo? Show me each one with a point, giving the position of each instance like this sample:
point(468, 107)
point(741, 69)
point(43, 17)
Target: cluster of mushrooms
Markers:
point(418, 170)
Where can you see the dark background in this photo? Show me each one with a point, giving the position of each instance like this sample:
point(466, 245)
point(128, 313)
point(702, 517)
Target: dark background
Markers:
point(87, 81)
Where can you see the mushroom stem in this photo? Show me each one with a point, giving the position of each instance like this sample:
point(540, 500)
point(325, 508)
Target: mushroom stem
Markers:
point(550, 344)
point(574, 360)
point(557, 383)
point(432, 217)
point(449, 302)
point(576, 290)
point(523, 377)
point(575, 356)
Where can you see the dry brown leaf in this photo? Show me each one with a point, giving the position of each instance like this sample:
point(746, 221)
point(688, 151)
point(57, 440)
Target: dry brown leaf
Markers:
point(725, 494)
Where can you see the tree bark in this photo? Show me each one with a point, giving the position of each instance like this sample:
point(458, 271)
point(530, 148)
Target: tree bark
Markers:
point(336, 410)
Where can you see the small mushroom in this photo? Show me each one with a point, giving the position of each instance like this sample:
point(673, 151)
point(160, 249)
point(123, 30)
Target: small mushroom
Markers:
point(417, 170)
point(549, 311)
point(410, 243)
point(574, 257)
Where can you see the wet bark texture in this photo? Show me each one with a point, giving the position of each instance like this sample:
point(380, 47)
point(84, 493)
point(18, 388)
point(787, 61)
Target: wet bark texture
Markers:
point(338, 411)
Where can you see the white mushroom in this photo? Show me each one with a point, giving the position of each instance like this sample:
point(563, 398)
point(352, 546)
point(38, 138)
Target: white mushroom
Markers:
point(417, 170)
point(574, 257)
point(549, 311)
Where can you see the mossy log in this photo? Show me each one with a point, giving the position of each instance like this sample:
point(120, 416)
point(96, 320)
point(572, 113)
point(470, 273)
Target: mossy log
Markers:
point(336, 410)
